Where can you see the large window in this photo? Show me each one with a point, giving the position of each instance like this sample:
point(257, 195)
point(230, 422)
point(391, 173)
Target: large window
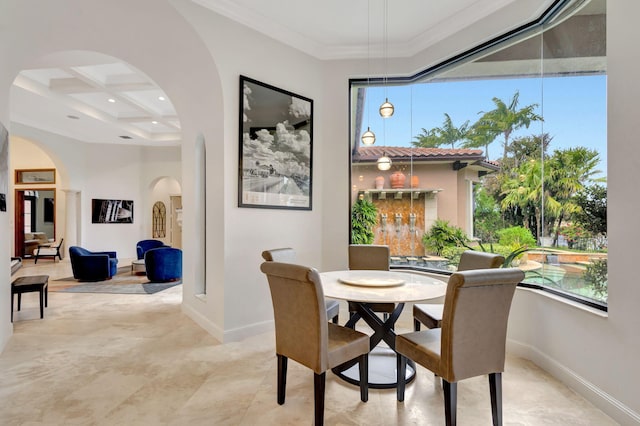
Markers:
point(504, 151)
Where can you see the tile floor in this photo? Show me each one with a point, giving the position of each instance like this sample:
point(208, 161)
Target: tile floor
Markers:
point(102, 359)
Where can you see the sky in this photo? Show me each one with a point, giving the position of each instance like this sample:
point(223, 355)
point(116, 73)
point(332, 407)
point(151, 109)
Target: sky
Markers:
point(574, 109)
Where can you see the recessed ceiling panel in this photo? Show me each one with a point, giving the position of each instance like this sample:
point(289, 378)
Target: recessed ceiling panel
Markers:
point(45, 75)
point(107, 73)
point(150, 100)
point(100, 101)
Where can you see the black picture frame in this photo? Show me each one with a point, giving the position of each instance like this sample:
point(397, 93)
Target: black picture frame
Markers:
point(275, 165)
point(111, 211)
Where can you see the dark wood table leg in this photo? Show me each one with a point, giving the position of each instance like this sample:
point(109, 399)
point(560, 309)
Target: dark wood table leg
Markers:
point(41, 292)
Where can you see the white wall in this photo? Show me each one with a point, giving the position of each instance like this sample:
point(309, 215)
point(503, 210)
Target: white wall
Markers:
point(104, 172)
point(597, 355)
point(602, 353)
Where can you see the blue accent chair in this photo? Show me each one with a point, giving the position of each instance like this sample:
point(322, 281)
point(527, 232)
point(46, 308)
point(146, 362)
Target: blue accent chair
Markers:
point(145, 245)
point(92, 266)
point(163, 264)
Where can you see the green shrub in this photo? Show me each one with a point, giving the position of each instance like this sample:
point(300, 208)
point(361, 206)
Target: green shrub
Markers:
point(364, 216)
point(515, 237)
point(442, 236)
point(596, 277)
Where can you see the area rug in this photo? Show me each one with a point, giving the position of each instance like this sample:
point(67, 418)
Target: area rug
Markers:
point(124, 282)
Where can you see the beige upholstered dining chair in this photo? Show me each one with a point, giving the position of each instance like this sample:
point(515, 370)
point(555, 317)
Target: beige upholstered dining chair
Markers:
point(472, 339)
point(288, 255)
point(304, 334)
point(431, 314)
point(370, 257)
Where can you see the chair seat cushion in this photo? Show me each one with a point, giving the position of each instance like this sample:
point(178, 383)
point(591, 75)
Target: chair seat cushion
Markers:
point(423, 347)
point(429, 314)
point(45, 251)
point(345, 343)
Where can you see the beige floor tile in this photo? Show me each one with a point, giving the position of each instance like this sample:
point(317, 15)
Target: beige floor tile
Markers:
point(101, 359)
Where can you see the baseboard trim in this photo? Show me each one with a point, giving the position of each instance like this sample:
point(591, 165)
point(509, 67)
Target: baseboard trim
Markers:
point(601, 399)
point(241, 333)
point(203, 322)
point(226, 336)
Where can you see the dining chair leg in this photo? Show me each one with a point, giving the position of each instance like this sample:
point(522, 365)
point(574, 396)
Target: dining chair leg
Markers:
point(495, 387)
point(450, 402)
point(318, 397)
point(364, 377)
point(416, 325)
point(282, 377)
point(401, 368)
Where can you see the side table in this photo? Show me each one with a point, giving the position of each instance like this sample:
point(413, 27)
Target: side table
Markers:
point(39, 283)
point(138, 267)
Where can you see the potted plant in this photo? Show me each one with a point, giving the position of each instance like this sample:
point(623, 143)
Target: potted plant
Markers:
point(364, 216)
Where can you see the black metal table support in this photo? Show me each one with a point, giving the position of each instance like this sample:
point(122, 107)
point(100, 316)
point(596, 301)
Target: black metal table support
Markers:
point(382, 361)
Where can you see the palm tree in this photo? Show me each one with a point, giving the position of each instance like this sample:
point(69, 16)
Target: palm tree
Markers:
point(450, 133)
point(427, 139)
point(527, 190)
point(568, 171)
point(478, 137)
point(447, 134)
point(505, 119)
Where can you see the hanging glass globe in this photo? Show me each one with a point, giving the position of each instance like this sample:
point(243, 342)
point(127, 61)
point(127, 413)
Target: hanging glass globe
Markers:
point(384, 162)
point(368, 137)
point(386, 109)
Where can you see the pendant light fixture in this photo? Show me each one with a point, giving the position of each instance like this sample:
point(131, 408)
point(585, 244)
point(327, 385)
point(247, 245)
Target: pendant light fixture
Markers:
point(386, 109)
point(368, 137)
point(384, 162)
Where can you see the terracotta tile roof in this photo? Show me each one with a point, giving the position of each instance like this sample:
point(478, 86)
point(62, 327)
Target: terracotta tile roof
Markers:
point(372, 153)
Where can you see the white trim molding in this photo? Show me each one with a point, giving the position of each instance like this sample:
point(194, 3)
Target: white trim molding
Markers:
point(601, 399)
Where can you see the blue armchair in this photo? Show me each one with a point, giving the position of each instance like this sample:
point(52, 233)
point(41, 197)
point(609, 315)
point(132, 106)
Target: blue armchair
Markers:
point(92, 266)
point(163, 264)
point(145, 245)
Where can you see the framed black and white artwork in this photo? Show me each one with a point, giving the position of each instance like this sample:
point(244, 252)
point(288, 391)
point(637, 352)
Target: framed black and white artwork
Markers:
point(276, 147)
point(111, 211)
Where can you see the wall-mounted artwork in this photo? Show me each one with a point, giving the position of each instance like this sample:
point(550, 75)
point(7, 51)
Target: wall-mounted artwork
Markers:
point(4, 167)
point(276, 131)
point(111, 211)
point(35, 176)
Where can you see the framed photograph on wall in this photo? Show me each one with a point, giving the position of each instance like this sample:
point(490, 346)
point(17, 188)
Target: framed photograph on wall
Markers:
point(35, 176)
point(111, 211)
point(276, 147)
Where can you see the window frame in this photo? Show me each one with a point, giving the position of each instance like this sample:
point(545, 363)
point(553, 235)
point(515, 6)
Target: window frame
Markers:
point(556, 10)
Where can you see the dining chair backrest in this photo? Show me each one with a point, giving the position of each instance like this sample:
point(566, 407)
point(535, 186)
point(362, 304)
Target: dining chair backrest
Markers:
point(369, 257)
point(474, 322)
point(299, 313)
point(472, 259)
point(286, 255)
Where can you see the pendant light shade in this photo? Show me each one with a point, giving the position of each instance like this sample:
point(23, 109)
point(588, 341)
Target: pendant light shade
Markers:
point(386, 109)
point(384, 162)
point(368, 137)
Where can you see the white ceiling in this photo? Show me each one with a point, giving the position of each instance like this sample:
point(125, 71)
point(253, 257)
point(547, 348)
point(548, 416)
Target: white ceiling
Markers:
point(95, 98)
point(73, 100)
point(334, 29)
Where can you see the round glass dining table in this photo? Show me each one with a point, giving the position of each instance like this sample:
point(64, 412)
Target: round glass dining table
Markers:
point(367, 287)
